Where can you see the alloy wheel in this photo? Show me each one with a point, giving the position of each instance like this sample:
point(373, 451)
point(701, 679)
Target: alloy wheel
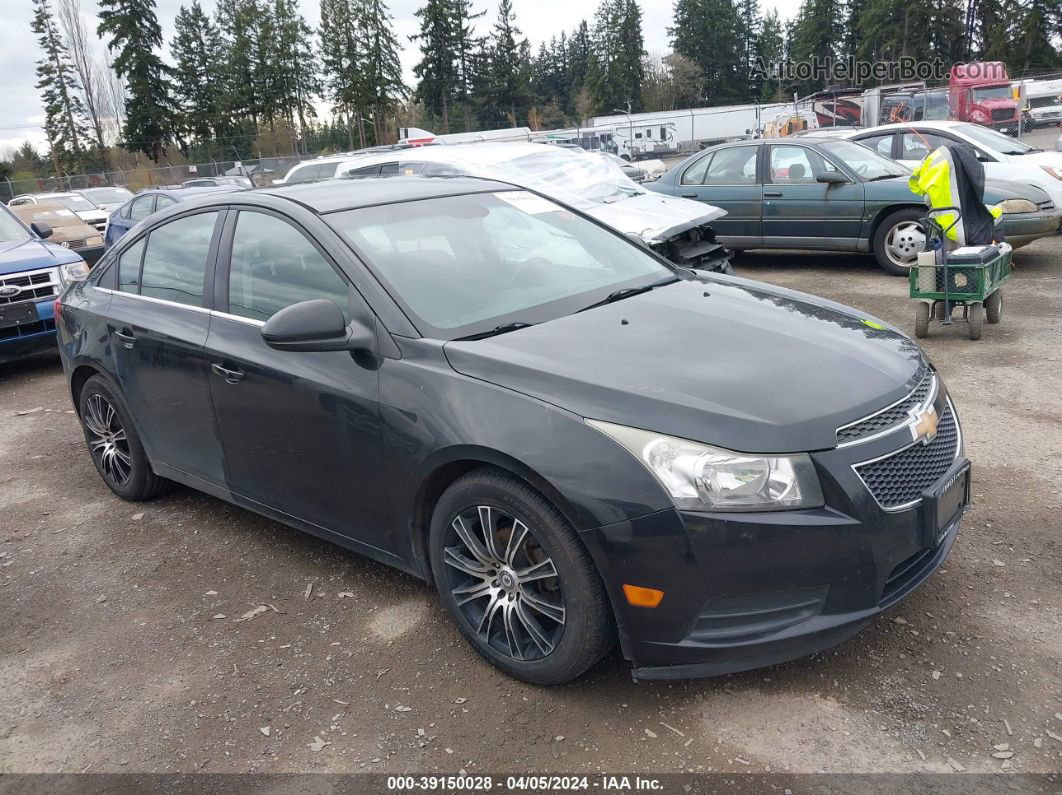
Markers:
point(504, 584)
point(903, 243)
point(108, 442)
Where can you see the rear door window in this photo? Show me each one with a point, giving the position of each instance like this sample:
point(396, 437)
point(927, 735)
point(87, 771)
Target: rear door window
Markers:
point(915, 146)
point(176, 257)
point(142, 207)
point(733, 167)
point(882, 144)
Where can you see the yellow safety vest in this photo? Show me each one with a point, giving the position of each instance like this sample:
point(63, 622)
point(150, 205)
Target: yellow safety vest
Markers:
point(933, 178)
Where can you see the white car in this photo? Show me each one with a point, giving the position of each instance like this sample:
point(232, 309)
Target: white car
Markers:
point(677, 229)
point(1003, 157)
point(86, 210)
point(313, 170)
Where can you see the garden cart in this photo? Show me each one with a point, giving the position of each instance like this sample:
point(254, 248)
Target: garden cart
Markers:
point(970, 277)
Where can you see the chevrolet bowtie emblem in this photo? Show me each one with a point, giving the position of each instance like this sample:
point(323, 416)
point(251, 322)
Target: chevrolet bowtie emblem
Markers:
point(925, 425)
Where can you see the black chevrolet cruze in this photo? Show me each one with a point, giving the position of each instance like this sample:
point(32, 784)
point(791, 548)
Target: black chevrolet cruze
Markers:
point(572, 438)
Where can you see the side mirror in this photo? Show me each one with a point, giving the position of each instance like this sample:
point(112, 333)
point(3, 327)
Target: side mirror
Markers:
point(831, 177)
point(316, 325)
point(41, 229)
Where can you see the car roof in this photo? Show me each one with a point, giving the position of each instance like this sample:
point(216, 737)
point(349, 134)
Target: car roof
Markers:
point(941, 124)
point(188, 193)
point(349, 194)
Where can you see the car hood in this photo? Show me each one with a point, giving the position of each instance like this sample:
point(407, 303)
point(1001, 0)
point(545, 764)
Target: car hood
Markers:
point(28, 255)
point(653, 216)
point(721, 360)
point(996, 190)
point(1043, 158)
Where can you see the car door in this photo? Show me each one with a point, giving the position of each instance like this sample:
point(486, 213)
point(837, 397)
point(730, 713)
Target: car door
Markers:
point(129, 216)
point(802, 212)
point(727, 178)
point(300, 430)
point(158, 323)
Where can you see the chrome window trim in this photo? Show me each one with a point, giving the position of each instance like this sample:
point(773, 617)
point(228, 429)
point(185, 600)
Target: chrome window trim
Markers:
point(931, 398)
point(908, 505)
point(250, 321)
point(152, 299)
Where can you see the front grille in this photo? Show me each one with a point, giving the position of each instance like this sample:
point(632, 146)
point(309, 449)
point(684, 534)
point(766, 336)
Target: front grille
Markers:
point(898, 480)
point(33, 285)
point(75, 244)
point(26, 330)
point(892, 416)
point(1002, 114)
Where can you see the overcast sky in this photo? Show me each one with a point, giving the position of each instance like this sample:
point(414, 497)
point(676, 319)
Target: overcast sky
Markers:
point(20, 110)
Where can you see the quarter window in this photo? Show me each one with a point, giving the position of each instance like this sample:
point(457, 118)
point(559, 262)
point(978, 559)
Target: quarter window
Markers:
point(129, 267)
point(882, 144)
point(273, 266)
point(175, 260)
point(163, 201)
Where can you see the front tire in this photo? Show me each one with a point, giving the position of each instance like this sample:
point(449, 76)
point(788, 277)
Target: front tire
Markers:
point(514, 577)
point(114, 444)
point(898, 240)
point(994, 307)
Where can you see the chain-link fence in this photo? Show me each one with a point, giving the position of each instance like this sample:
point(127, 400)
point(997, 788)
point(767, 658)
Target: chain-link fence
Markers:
point(261, 172)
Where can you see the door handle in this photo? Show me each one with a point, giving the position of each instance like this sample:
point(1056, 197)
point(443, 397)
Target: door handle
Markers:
point(230, 376)
point(128, 340)
point(773, 193)
point(688, 196)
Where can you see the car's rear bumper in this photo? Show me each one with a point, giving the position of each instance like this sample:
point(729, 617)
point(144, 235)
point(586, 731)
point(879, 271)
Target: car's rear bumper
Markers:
point(743, 591)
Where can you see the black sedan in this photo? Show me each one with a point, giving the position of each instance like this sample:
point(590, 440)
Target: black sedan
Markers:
point(494, 392)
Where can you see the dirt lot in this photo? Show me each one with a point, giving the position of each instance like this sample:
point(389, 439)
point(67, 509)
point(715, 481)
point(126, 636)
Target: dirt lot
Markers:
point(119, 648)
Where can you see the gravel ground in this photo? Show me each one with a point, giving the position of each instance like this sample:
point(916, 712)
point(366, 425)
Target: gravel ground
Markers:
point(120, 648)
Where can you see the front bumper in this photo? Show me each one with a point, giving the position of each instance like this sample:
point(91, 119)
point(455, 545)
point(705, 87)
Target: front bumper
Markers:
point(17, 342)
point(746, 590)
point(1023, 228)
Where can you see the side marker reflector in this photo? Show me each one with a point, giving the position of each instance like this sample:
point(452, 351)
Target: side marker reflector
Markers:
point(642, 597)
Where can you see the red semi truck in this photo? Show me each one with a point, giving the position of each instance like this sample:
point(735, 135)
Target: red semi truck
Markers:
point(981, 93)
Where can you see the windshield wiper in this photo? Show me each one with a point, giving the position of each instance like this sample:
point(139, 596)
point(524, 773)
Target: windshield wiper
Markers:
point(504, 328)
point(627, 292)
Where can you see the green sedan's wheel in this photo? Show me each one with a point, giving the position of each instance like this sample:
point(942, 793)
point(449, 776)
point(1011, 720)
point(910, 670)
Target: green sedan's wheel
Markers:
point(922, 319)
point(898, 240)
point(994, 307)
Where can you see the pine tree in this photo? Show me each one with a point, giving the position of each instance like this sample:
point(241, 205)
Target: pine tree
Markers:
point(196, 72)
point(770, 52)
point(1038, 33)
point(749, 28)
point(298, 76)
point(436, 71)
point(382, 69)
point(64, 122)
point(709, 32)
point(509, 89)
point(580, 56)
point(135, 35)
point(818, 35)
point(342, 60)
point(616, 67)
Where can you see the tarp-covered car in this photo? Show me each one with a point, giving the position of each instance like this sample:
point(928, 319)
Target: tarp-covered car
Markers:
point(675, 228)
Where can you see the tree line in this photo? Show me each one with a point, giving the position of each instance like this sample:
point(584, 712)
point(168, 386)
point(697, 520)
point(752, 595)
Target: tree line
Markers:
point(243, 77)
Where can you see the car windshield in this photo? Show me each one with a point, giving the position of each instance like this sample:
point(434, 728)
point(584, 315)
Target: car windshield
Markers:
point(992, 140)
point(10, 229)
point(108, 195)
point(993, 92)
point(868, 164)
point(78, 204)
point(466, 264)
point(54, 215)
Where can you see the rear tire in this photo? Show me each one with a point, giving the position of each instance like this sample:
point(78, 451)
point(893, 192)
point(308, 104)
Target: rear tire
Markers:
point(114, 445)
point(922, 320)
point(898, 240)
point(544, 629)
point(994, 307)
point(976, 319)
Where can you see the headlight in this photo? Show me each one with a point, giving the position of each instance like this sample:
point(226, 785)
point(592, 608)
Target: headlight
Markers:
point(1054, 171)
point(94, 241)
point(73, 272)
point(703, 478)
point(1017, 206)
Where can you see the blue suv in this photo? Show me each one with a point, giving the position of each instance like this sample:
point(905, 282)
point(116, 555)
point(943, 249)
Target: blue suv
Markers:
point(32, 274)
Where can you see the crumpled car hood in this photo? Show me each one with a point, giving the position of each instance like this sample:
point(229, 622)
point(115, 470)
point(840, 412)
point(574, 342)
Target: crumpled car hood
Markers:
point(653, 216)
